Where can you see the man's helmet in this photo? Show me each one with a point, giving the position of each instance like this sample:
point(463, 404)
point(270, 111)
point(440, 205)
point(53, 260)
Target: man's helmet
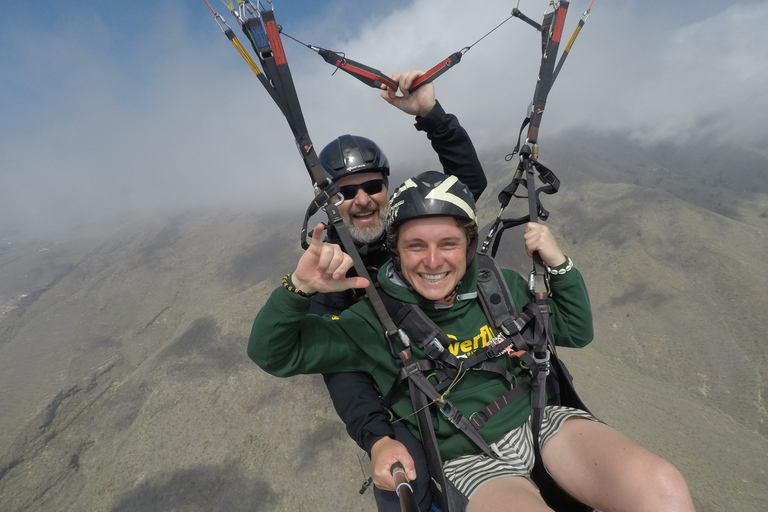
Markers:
point(350, 154)
point(431, 194)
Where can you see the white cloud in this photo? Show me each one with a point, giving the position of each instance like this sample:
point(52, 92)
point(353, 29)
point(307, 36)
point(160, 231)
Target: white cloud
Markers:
point(164, 115)
point(700, 80)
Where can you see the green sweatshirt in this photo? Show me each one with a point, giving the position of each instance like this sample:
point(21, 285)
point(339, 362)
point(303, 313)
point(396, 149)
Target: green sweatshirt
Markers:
point(286, 340)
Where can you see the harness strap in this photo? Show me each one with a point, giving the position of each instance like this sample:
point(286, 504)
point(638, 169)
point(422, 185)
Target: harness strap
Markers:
point(429, 441)
point(450, 412)
point(427, 336)
point(264, 34)
point(286, 86)
point(422, 331)
point(533, 322)
point(409, 367)
point(496, 300)
point(479, 418)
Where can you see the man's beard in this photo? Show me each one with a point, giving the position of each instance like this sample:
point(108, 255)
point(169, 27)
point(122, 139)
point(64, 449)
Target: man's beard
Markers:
point(371, 233)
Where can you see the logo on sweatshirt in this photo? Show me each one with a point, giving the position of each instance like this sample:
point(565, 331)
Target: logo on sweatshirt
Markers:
point(468, 347)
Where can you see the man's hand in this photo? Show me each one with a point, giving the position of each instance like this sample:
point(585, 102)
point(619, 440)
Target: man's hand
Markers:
point(323, 267)
point(417, 104)
point(384, 453)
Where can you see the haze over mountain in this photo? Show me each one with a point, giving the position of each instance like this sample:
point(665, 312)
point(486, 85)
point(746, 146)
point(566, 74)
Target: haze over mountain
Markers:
point(126, 385)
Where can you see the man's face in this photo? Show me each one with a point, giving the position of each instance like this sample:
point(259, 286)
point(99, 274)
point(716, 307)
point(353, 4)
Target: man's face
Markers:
point(433, 256)
point(364, 214)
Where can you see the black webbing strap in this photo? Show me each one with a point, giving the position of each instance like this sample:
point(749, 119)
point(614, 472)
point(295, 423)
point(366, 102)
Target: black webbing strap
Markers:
point(431, 449)
point(533, 355)
point(254, 29)
point(336, 220)
point(551, 30)
point(535, 317)
point(284, 83)
point(478, 418)
point(261, 76)
point(430, 339)
point(422, 365)
point(420, 402)
point(423, 333)
point(496, 299)
point(450, 412)
point(494, 294)
point(264, 34)
point(552, 493)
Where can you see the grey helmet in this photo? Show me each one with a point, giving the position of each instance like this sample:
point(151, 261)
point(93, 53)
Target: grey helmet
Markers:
point(431, 194)
point(351, 154)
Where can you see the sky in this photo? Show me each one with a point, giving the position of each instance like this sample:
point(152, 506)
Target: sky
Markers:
point(142, 106)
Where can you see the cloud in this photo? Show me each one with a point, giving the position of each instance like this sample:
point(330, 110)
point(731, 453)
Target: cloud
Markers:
point(100, 117)
point(690, 81)
point(650, 71)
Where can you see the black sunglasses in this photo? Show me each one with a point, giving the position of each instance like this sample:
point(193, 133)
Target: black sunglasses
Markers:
point(369, 187)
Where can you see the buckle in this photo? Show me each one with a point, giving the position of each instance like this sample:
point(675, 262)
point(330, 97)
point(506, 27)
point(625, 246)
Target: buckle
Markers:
point(478, 419)
point(436, 345)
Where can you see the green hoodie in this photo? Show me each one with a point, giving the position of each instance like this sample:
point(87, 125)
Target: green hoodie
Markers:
point(286, 340)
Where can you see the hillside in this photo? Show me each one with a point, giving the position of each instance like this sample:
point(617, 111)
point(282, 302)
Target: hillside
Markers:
point(126, 384)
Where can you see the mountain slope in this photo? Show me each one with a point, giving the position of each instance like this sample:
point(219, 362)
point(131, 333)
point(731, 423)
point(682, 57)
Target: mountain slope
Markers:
point(126, 384)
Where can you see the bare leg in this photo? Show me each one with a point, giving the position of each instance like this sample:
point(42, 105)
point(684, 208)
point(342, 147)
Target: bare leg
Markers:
point(507, 494)
point(599, 466)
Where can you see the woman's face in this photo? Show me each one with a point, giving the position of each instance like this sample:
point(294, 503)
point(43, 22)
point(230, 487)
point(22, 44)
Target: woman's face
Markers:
point(433, 256)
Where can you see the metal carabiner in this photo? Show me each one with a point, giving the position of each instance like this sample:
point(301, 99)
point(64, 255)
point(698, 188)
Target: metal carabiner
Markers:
point(532, 283)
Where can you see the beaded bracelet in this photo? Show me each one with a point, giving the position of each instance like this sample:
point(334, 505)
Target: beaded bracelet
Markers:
point(562, 270)
point(288, 286)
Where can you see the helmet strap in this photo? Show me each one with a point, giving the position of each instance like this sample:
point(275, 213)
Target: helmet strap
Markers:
point(449, 298)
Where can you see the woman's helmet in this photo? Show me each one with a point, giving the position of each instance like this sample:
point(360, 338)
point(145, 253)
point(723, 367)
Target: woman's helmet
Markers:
point(431, 194)
point(351, 154)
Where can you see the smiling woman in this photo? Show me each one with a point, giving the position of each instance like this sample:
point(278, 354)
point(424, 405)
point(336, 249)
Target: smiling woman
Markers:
point(434, 252)
point(433, 257)
point(490, 452)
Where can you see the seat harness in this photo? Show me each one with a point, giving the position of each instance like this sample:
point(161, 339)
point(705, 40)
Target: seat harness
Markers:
point(526, 335)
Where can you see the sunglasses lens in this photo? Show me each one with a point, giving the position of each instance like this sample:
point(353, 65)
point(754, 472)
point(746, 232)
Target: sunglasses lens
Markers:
point(369, 187)
point(372, 187)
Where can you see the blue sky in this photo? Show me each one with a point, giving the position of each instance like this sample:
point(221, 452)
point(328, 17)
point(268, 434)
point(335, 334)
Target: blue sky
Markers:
point(136, 106)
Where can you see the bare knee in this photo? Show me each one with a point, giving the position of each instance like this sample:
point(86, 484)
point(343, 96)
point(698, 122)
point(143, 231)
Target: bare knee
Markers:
point(601, 467)
point(508, 494)
point(649, 483)
point(667, 487)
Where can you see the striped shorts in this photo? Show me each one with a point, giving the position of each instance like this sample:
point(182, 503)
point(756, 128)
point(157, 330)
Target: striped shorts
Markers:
point(468, 472)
